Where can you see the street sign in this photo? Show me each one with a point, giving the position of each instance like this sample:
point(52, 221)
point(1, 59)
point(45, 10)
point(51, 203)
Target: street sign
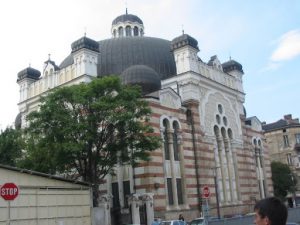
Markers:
point(205, 192)
point(9, 191)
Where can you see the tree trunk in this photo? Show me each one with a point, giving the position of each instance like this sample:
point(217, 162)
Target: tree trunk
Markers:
point(95, 189)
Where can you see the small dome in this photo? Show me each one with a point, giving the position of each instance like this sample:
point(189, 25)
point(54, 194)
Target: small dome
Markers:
point(142, 75)
point(127, 18)
point(85, 42)
point(183, 40)
point(29, 73)
point(18, 121)
point(232, 65)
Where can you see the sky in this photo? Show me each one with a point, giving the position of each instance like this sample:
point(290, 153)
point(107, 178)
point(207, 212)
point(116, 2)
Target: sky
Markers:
point(262, 35)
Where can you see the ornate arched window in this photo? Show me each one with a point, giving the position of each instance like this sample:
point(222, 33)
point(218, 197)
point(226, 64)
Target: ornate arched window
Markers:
point(128, 31)
point(175, 140)
point(136, 31)
point(120, 32)
point(166, 139)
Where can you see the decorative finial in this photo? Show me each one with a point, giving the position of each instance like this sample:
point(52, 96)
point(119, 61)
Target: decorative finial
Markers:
point(29, 64)
point(49, 56)
point(84, 31)
point(126, 7)
point(229, 56)
point(182, 29)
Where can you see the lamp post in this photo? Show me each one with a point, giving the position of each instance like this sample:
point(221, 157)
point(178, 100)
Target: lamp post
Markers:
point(294, 193)
point(216, 190)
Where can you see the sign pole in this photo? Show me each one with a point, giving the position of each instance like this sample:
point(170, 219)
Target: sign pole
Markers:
point(217, 196)
point(8, 213)
point(206, 196)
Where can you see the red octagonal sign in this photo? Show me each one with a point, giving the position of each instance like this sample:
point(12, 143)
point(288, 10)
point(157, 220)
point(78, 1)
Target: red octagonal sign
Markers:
point(205, 192)
point(9, 191)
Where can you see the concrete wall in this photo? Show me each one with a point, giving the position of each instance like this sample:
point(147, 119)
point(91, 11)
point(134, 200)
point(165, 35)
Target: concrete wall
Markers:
point(44, 200)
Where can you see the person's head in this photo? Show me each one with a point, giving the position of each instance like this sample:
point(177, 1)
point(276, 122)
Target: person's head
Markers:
point(270, 211)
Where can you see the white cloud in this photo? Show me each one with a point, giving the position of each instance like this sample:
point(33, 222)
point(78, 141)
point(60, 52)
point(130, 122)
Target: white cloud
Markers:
point(271, 66)
point(288, 47)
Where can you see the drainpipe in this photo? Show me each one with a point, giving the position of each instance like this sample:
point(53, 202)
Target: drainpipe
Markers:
point(190, 120)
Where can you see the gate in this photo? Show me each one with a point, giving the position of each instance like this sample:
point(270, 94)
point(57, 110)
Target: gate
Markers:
point(143, 214)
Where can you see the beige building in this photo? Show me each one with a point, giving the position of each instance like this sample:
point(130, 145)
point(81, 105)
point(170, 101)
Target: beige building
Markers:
point(283, 139)
point(44, 199)
point(197, 110)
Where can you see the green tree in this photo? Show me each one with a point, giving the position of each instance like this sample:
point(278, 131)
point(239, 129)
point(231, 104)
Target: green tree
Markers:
point(11, 144)
point(89, 128)
point(284, 180)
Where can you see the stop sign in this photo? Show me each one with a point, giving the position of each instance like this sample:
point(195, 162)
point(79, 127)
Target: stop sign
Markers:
point(9, 191)
point(205, 192)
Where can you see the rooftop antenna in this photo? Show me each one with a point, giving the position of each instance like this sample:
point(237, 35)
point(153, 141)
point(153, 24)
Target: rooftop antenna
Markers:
point(182, 29)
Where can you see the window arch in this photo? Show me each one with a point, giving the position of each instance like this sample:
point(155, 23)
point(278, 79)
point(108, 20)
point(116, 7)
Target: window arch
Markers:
point(166, 126)
point(136, 31)
point(230, 135)
point(223, 132)
point(128, 31)
point(175, 140)
point(173, 167)
point(120, 32)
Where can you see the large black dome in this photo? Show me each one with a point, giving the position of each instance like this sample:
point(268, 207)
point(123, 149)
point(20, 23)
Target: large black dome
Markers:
point(117, 54)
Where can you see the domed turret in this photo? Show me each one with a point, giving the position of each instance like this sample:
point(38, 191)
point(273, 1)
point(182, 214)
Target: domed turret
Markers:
point(232, 65)
point(29, 73)
point(127, 25)
point(185, 48)
point(184, 40)
point(85, 42)
point(143, 76)
point(127, 18)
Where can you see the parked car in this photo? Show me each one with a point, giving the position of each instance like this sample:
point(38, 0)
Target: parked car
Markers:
point(214, 218)
point(173, 222)
point(198, 221)
point(292, 223)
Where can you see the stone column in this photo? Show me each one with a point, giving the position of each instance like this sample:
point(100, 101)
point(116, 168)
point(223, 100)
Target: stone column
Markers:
point(134, 202)
point(222, 169)
point(104, 203)
point(148, 199)
point(229, 168)
point(259, 169)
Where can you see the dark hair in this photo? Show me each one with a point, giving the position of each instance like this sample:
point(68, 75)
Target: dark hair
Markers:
point(272, 208)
